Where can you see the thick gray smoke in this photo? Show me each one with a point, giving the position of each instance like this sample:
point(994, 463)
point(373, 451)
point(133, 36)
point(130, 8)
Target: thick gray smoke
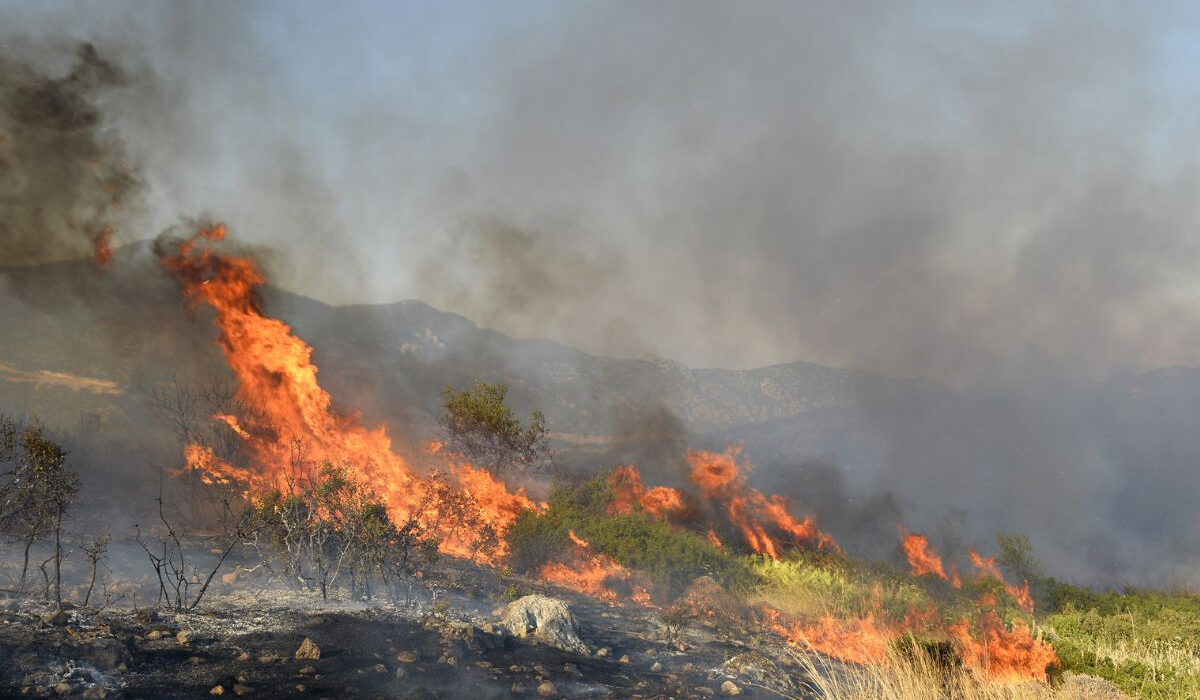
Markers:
point(64, 180)
point(1000, 200)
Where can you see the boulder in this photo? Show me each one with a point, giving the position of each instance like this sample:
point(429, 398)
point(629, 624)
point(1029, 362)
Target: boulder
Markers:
point(308, 650)
point(546, 620)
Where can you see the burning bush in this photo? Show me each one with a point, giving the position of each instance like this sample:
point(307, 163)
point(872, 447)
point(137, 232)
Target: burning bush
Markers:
point(671, 557)
point(480, 427)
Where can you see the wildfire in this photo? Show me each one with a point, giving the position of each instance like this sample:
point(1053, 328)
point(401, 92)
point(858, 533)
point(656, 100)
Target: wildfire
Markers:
point(295, 424)
point(102, 253)
point(597, 575)
point(629, 492)
point(765, 522)
point(1002, 654)
point(863, 640)
point(924, 560)
point(986, 566)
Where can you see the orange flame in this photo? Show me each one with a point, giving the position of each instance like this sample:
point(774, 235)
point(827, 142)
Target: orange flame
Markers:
point(924, 560)
point(276, 375)
point(986, 566)
point(597, 575)
point(765, 523)
point(1002, 654)
point(629, 492)
point(860, 640)
point(102, 253)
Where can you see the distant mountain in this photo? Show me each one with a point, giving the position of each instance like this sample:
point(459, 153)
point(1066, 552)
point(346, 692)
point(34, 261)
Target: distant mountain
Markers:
point(127, 327)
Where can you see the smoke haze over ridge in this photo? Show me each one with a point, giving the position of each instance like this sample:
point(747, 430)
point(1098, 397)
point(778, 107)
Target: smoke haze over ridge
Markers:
point(1000, 200)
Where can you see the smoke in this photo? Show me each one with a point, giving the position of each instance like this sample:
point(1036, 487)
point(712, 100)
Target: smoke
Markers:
point(64, 179)
point(999, 200)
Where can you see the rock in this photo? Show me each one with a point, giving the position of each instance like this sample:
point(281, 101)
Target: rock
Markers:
point(269, 658)
point(624, 659)
point(704, 690)
point(63, 688)
point(96, 692)
point(400, 672)
point(380, 668)
point(546, 619)
point(518, 688)
point(603, 651)
point(194, 660)
point(106, 653)
point(217, 690)
point(155, 635)
point(307, 670)
point(240, 689)
point(308, 650)
point(657, 666)
point(730, 688)
point(476, 639)
point(547, 690)
point(184, 637)
point(244, 656)
point(407, 657)
point(301, 688)
point(242, 677)
point(57, 618)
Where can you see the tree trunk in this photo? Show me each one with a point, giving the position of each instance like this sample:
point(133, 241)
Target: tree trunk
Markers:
point(25, 568)
point(58, 559)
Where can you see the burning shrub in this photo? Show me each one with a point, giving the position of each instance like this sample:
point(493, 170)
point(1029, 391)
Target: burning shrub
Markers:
point(671, 557)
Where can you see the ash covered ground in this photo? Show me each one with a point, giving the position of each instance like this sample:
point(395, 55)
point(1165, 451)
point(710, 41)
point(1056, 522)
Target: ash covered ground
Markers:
point(455, 638)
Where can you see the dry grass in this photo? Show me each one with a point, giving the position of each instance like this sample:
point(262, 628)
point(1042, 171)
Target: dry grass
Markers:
point(919, 678)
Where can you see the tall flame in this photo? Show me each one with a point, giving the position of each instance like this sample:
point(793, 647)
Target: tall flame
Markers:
point(765, 522)
point(629, 492)
point(294, 416)
point(924, 561)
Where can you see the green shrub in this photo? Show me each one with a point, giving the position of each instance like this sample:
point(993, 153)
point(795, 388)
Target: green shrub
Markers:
point(670, 557)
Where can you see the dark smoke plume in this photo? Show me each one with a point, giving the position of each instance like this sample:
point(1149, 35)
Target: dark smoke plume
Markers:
point(64, 180)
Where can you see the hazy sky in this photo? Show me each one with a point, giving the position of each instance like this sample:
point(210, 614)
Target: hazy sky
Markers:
point(920, 188)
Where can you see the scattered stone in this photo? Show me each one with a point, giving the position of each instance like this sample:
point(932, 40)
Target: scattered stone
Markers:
point(730, 688)
point(195, 660)
point(380, 668)
point(406, 657)
point(155, 635)
point(307, 670)
point(571, 670)
point(217, 690)
point(57, 618)
point(244, 656)
point(301, 688)
point(547, 690)
point(603, 651)
point(242, 678)
point(240, 689)
point(184, 637)
point(96, 692)
point(400, 672)
point(269, 658)
point(63, 688)
point(624, 659)
point(704, 690)
point(546, 619)
point(518, 688)
point(308, 650)
point(656, 666)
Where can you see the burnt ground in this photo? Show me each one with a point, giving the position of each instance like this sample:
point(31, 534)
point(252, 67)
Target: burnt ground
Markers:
point(445, 644)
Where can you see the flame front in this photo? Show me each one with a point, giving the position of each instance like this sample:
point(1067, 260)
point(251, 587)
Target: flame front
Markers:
point(294, 423)
point(765, 522)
